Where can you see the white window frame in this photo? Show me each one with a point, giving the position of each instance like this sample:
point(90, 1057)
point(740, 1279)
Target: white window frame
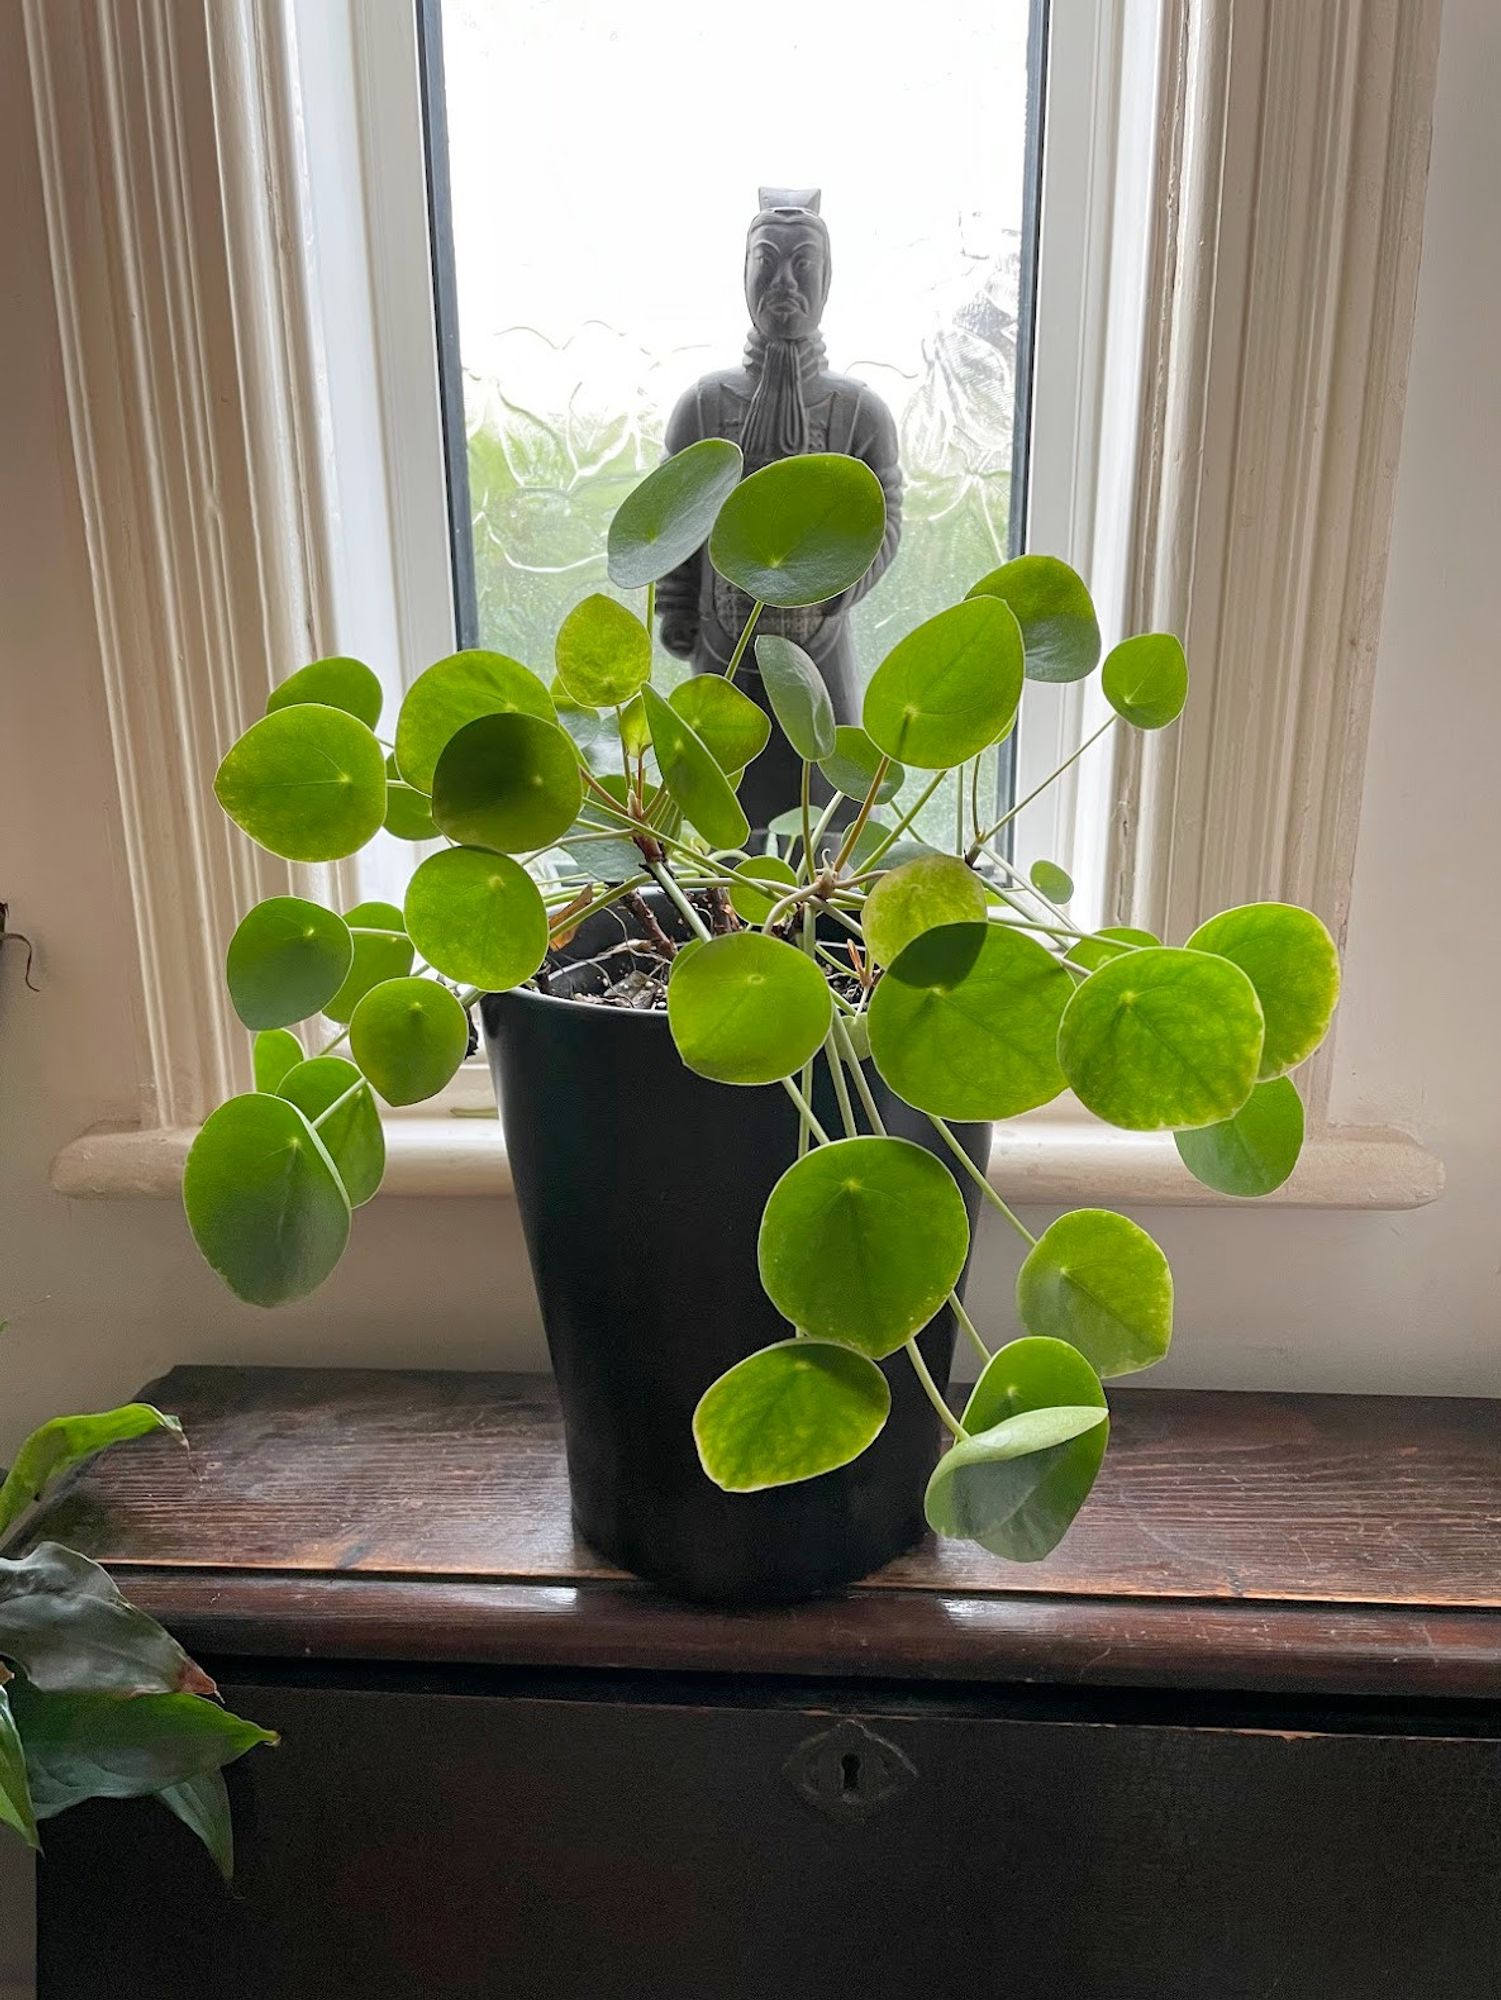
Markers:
point(242, 326)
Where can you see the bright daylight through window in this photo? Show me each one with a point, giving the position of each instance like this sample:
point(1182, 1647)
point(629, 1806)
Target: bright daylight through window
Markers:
point(590, 283)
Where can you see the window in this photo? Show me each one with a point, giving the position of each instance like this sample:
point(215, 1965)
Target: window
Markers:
point(588, 271)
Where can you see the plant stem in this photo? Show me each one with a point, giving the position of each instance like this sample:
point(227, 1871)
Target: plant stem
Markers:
point(806, 1110)
point(906, 819)
point(971, 1331)
point(818, 833)
point(804, 1130)
point(329, 1046)
point(807, 805)
point(342, 1099)
point(980, 1180)
point(841, 1088)
point(959, 806)
point(1006, 818)
point(857, 824)
point(847, 1049)
point(743, 641)
point(932, 1390)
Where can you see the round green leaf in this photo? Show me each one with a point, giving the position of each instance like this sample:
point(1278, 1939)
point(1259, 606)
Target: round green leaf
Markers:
point(478, 918)
point(1253, 1151)
point(273, 1053)
point(286, 959)
point(1146, 680)
point(964, 1024)
point(1049, 880)
point(409, 1037)
point(352, 1137)
point(799, 699)
point(800, 530)
point(1290, 958)
point(726, 721)
point(663, 520)
point(263, 1200)
point(1038, 1428)
point(603, 653)
point(308, 782)
point(790, 1412)
point(382, 950)
point(457, 690)
point(1095, 1279)
point(921, 895)
point(510, 782)
point(335, 683)
point(692, 776)
point(1060, 633)
point(862, 1241)
point(854, 763)
point(1162, 1038)
point(950, 688)
point(747, 1008)
point(751, 905)
point(1101, 946)
point(409, 813)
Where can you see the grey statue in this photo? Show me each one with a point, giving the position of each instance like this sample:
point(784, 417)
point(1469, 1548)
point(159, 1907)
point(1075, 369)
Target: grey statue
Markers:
point(781, 402)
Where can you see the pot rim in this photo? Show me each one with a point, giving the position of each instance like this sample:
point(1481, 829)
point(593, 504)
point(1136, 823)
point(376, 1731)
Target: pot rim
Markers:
point(534, 999)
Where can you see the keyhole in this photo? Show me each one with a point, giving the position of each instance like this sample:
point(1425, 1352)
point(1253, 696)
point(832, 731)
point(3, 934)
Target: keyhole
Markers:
point(849, 1772)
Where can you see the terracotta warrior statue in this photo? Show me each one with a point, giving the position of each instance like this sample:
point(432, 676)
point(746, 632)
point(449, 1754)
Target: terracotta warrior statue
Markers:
point(782, 401)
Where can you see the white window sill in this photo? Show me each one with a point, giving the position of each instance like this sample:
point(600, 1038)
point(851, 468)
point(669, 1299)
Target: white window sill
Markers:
point(1041, 1161)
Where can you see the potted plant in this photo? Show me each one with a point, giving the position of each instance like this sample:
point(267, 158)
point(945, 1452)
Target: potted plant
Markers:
point(96, 1699)
point(748, 1095)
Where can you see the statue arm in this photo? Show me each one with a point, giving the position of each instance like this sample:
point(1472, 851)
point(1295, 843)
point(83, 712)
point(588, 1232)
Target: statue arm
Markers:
point(873, 439)
point(678, 591)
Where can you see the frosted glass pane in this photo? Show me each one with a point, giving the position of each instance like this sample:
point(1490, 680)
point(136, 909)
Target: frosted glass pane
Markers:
point(604, 166)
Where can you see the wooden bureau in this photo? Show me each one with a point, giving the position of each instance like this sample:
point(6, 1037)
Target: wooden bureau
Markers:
point(1239, 1737)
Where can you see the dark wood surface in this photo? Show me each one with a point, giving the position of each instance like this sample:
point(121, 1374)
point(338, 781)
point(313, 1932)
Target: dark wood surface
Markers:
point(1316, 1544)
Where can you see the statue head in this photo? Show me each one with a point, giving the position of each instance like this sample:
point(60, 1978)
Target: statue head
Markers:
point(787, 264)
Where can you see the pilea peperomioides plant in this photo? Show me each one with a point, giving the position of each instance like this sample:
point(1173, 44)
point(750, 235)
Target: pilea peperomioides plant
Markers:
point(96, 1699)
point(849, 942)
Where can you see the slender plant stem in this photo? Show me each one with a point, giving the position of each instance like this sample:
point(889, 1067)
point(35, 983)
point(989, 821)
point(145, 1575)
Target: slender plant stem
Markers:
point(971, 1331)
point(807, 806)
point(906, 819)
point(617, 894)
point(651, 612)
point(819, 831)
point(1021, 805)
point(744, 640)
point(841, 1088)
point(931, 1389)
point(959, 806)
point(329, 1046)
point(980, 1180)
point(974, 797)
point(804, 1130)
point(847, 1049)
point(806, 1110)
point(340, 1101)
point(1020, 883)
point(857, 824)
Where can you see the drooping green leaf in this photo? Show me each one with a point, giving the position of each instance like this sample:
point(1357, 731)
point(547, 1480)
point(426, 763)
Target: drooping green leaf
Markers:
point(352, 1135)
point(1146, 680)
point(409, 813)
point(286, 960)
point(747, 1008)
point(662, 521)
point(949, 689)
point(853, 766)
point(92, 1746)
point(1101, 946)
point(64, 1443)
point(790, 1412)
point(692, 776)
point(1291, 960)
point(273, 1053)
point(457, 690)
point(66, 1626)
point(862, 1241)
point(753, 906)
point(1162, 1039)
point(478, 918)
point(382, 950)
point(800, 530)
point(337, 682)
point(921, 895)
point(1099, 1282)
point(202, 1804)
point(1051, 881)
point(1255, 1150)
point(1060, 633)
point(16, 1809)
point(308, 783)
point(798, 696)
point(1038, 1428)
point(507, 782)
point(264, 1203)
point(965, 1022)
point(410, 1035)
point(603, 653)
point(726, 721)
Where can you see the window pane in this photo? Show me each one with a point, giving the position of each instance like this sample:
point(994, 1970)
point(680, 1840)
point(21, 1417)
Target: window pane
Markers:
point(603, 166)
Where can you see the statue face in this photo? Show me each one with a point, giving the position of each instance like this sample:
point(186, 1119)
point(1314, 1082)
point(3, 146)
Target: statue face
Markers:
point(786, 279)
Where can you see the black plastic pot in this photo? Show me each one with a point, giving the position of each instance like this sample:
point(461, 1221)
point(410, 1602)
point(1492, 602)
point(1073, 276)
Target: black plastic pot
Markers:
point(641, 1188)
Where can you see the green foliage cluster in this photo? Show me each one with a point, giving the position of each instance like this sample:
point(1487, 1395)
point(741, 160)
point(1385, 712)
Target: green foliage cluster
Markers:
point(974, 995)
point(96, 1699)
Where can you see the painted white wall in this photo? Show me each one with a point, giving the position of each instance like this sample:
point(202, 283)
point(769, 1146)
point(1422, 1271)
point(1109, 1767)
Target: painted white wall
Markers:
point(102, 1295)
